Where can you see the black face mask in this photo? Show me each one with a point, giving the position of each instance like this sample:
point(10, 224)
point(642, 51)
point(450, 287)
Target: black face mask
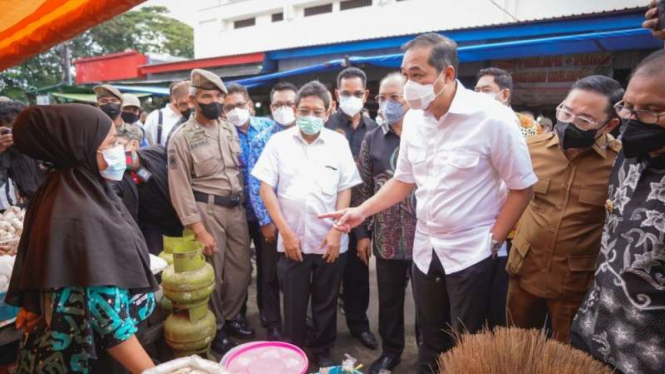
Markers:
point(211, 111)
point(111, 109)
point(188, 113)
point(572, 137)
point(129, 117)
point(640, 139)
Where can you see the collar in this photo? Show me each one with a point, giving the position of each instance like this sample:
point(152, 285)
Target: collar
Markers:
point(169, 112)
point(323, 135)
point(600, 146)
point(255, 123)
point(347, 121)
point(464, 101)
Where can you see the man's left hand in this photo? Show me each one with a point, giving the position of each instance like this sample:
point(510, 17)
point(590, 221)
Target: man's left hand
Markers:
point(652, 23)
point(364, 251)
point(331, 243)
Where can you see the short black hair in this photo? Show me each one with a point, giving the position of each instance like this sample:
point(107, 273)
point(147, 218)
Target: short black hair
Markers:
point(9, 110)
point(605, 86)
point(314, 88)
point(653, 64)
point(233, 88)
point(502, 78)
point(283, 86)
point(352, 72)
point(444, 50)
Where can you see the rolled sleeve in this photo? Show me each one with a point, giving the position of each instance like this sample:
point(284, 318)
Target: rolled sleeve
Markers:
point(266, 169)
point(510, 154)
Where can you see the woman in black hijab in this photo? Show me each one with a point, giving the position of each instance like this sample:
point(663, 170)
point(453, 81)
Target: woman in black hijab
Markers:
point(82, 263)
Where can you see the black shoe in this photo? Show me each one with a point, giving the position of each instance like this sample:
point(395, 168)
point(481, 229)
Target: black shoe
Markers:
point(387, 362)
point(222, 344)
point(368, 339)
point(274, 334)
point(325, 361)
point(239, 330)
point(264, 321)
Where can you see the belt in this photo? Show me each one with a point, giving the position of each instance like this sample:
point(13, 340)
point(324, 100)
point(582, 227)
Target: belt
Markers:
point(225, 201)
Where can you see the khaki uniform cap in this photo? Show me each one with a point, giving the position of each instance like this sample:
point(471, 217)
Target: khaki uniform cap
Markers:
point(130, 100)
point(107, 88)
point(207, 80)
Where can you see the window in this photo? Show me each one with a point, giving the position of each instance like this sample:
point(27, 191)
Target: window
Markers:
point(244, 23)
point(352, 4)
point(276, 17)
point(315, 10)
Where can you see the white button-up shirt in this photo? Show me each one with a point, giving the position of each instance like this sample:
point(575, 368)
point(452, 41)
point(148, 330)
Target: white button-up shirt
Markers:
point(463, 165)
point(307, 178)
point(169, 119)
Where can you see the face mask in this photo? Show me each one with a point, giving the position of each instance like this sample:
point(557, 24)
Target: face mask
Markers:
point(393, 112)
point(284, 116)
point(111, 109)
point(379, 121)
point(129, 117)
point(420, 96)
point(572, 137)
point(211, 111)
point(310, 125)
point(238, 117)
point(117, 163)
point(640, 139)
point(351, 105)
point(187, 113)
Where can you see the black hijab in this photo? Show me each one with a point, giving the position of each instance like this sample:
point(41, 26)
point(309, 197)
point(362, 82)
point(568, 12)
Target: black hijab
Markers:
point(76, 231)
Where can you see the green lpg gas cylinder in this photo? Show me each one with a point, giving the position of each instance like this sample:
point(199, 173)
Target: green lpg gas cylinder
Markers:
point(186, 336)
point(190, 280)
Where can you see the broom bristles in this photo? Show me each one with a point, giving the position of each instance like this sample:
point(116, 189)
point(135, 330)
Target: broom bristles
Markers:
point(516, 351)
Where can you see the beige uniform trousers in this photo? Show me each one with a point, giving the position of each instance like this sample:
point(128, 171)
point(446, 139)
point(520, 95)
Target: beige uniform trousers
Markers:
point(231, 262)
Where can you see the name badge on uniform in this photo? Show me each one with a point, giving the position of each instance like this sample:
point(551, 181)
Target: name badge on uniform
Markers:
point(197, 139)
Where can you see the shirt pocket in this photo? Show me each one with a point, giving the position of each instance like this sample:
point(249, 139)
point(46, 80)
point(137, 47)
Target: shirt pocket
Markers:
point(517, 256)
point(205, 160)
point(463, 160)
point(580, 273)
point(593, 200)
point(540, 191)
point(327, 178)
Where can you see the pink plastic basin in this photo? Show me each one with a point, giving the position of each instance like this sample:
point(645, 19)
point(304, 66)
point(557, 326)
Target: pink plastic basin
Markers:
point(266, 358)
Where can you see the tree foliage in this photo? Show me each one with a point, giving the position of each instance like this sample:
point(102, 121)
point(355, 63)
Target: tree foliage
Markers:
point(147, 29)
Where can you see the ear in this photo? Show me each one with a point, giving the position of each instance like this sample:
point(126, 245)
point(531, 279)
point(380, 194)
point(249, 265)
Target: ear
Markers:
point(366, 96)
point(610, 126)
point(337, 94)
point(450, 73)
point(507, 96)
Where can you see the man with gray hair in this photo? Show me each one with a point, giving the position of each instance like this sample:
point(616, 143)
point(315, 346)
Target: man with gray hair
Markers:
point(471, 167)
point(392, 231)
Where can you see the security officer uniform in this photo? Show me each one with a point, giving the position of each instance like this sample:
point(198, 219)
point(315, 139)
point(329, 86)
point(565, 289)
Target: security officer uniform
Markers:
point(554, 253)
point(107, 89)
point(205, 186)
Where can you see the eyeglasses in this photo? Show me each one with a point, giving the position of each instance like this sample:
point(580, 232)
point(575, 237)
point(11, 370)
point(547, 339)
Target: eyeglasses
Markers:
point(581, 122)
point(304, 112)
point(383, 98)
point(358, 94)
point(228, 108)
point(645, 116)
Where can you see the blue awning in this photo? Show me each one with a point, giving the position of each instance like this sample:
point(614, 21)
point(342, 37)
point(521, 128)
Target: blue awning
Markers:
point(153, 90)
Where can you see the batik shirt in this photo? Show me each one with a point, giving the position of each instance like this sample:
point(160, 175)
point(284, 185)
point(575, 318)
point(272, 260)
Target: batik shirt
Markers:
point(84, 322)
point(622, 318)
point(394, 229)
point(256, 126)
point(257, 147)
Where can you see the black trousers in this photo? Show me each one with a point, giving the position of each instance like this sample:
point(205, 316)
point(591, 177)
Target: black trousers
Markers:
point(497, 313)
point(460, 300)
point(270, 284)
point(355, 290)
point(392, 278)
point(321, 281)
point(256, 238)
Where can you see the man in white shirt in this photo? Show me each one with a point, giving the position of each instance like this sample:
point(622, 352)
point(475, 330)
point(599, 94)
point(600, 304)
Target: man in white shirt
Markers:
point(465, 154)
point(160, 122)
point(313, 171)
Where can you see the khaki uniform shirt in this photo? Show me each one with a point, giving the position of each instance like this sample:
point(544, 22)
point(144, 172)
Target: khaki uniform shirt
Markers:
point(558, 237)
point(203, 159)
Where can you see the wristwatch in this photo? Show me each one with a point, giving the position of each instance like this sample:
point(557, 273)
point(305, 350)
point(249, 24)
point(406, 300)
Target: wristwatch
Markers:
point(495, 246)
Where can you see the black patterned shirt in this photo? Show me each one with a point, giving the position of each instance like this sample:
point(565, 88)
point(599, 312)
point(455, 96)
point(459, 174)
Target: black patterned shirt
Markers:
point(622, 317)
point(392, 230)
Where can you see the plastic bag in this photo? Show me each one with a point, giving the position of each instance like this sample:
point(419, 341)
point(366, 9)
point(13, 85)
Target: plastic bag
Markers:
point(187, 365)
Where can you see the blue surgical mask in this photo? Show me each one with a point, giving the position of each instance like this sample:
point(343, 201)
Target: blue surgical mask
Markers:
point(310, 125)
point(393, 112)
point(117, 163)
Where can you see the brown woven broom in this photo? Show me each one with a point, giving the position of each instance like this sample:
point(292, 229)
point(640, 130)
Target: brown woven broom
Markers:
point(516, 351)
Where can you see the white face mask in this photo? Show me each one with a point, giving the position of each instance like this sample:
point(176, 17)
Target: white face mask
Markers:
point(284, 116)
point(116, 163)
point(420, 96)
point(351, 105)
point(494, 96)
point(238, 117)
